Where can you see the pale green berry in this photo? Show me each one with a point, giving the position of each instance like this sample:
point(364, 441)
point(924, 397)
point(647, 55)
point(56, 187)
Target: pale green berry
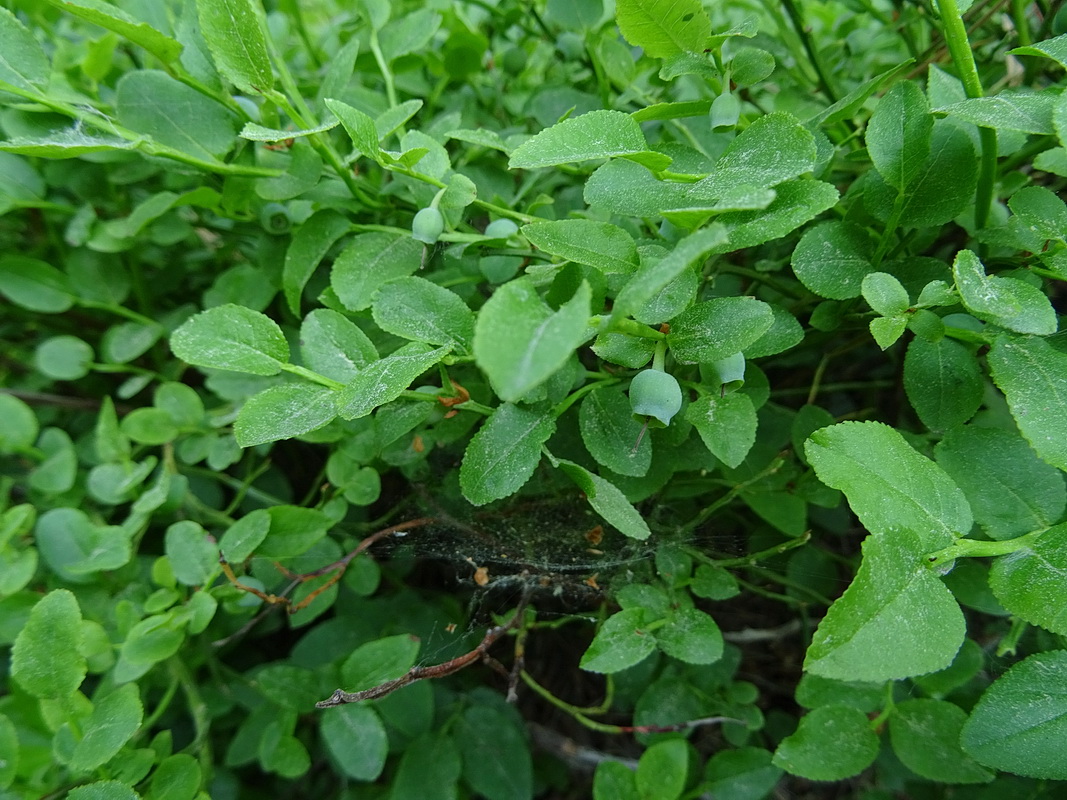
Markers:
point(657, 395)
point(428, 225)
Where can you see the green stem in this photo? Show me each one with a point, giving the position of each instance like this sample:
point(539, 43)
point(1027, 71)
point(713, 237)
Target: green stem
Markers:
point(1010, 642)
point(962, 56)
point(975, 548)
point(711, 508)
point(566, 707)
point(314, 377)
point(383, 67)
point(809, 46)
point(887, 709)
point(754, 558)
point(578, 394)
point(198, 709)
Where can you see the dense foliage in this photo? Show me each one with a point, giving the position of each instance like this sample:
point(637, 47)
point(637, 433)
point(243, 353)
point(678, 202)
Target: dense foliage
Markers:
point(650, 399)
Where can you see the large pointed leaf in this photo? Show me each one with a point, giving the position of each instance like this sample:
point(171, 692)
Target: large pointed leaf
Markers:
point(504, 453)
point(519, 341)
point(598, 134)
point(897, 619)
point(664, 27)
point(888, 484)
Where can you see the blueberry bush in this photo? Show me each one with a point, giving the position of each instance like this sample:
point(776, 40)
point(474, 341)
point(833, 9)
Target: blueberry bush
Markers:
point(647, 399)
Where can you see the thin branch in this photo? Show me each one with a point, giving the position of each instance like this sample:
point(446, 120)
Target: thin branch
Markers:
point(479, 653)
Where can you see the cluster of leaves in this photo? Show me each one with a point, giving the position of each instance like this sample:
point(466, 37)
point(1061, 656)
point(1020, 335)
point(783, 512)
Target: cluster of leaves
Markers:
point(274, 274)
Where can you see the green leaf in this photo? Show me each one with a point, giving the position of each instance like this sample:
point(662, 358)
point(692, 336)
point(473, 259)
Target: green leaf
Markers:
point(930, 199)
point(504, 453)
point(310, 243)
point(607, 500)
point(895, 620)
point(832, 743)
point(885, 294)
point(899, 133)
point(597, 134)
point(770, 151)
point(609, 432)
point(887, 330)
point(284, 412)
point(9, 746)
point(833, 258)
point(796, 202)
point(383, 381)
point(417, 309)
point(59, 469)
point(258, 133)
point(888, 484)
point(943, 381)
point(746, 773)
point(332, 345)
point(1020, 722)
point(1013, 109)
point(63, 358)
point(194, 556)
point(115, 19)
point(520, 342)
point(664, 28)
point(1010, 490)
point(379, 661)
point(691, 636)
point(178, 777)
point(1055, 48)
point(654, 276)
point(153, 103)
point(614, 780)
point(726, 424)
point(496, 756)
point(623, 187)
point(152, 426)
point(24, 63)
point(234, 338)
point(46, 660)
point(718, 328)
point(925, 736)
point(74, 547)
point(784, 334)
point(1007, 302)
point(370, 261)
point(113, 721)
point(152, 640)
point(104, 790)
point(1033, 376)
point(355, 737)
point(18, 424)
point(620, 643)
point(1041, 211)
point(598, 244)
point(360, 128)
point(68, 143)
point(662, 770)
point(233, 30)
point(429, 769)
point(34, 285)
point(244, 536)
point(1029, 582)
point(292, 531)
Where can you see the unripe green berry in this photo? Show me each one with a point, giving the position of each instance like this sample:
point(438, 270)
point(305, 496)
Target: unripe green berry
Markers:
point(728, 372)
point(274, 217)
point(655, 394)
point(428, 225)
point(501, 228)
